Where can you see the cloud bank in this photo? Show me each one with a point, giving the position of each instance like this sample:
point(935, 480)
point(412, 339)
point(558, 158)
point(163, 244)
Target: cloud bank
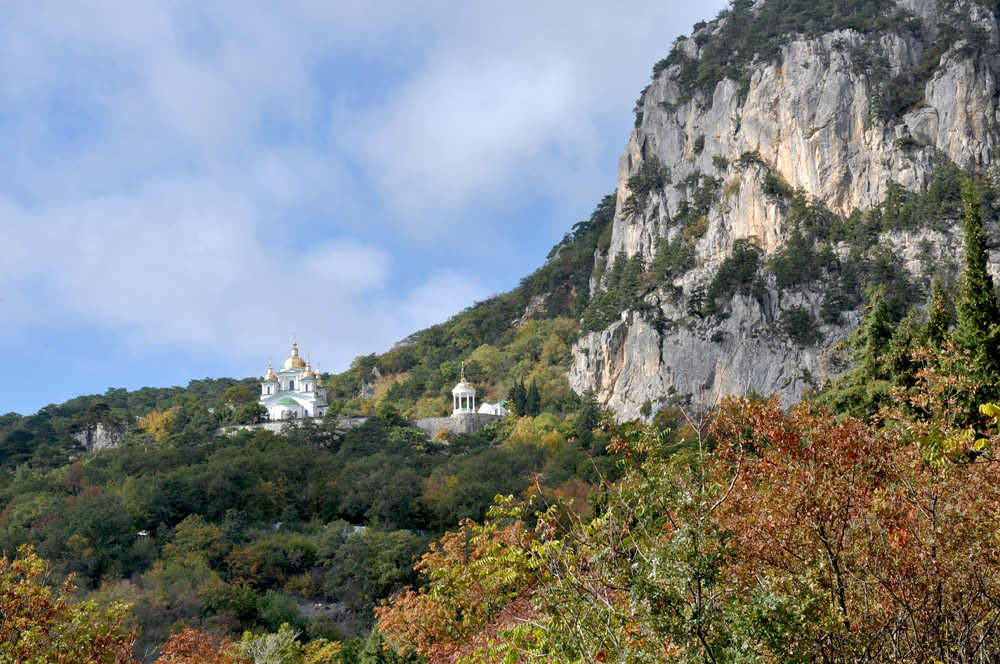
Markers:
point(201, 179)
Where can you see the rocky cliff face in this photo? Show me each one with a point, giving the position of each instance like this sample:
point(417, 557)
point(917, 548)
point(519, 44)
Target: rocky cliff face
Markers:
point(100, 436)
point(838, 115)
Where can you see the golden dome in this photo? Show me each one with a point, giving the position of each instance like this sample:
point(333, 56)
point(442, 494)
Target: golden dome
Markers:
point(294, 361)
point(270, 373)
point(319, 376)
point(308, 373)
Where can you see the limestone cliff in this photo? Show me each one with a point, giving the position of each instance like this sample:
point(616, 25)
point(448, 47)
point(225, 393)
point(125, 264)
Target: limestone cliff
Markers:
point(101, 436)
point(841, 115)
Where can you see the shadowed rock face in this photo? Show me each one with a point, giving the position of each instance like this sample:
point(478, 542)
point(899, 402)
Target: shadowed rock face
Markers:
point(809, 115)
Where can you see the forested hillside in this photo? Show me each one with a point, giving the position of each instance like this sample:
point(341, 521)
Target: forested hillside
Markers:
point(523, 337)
point(311, 527)
point(860, 526)
point(808, 206)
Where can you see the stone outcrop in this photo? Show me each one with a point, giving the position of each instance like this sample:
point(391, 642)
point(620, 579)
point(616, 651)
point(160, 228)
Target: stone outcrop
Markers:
point(808, 115)
point(100, 436)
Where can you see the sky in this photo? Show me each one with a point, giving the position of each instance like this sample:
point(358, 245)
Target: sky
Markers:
point(185, 184)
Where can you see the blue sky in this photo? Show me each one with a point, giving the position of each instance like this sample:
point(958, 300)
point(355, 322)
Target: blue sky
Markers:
point(185, 184)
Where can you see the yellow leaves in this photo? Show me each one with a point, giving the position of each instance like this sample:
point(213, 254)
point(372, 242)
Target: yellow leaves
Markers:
point(39, 623)
point(320, 651)
point(991, 410)
point(160, 423)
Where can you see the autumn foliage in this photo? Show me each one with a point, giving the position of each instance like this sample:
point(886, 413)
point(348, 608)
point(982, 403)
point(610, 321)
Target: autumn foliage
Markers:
point(193, 647)
point(40, 622)
point(478, 585)
point(787, 536)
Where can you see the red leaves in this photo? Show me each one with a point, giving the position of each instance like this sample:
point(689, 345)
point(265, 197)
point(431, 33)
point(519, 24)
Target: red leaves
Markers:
point(193, 647)
point(906, 550)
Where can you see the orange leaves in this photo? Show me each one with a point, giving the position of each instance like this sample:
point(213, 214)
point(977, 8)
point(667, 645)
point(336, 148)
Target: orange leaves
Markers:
point(40, 623)
point(193, 647)
point(473, 575)
point(905, 550)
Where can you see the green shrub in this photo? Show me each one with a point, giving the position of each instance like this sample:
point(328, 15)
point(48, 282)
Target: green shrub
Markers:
point(775, 187)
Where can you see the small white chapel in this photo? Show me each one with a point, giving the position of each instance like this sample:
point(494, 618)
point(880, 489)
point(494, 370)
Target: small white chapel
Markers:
point(293, 392)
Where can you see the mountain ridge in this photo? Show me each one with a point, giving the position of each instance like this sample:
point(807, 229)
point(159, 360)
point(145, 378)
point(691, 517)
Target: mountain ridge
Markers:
point(829, 126)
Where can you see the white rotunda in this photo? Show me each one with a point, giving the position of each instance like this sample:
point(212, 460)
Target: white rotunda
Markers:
point(463, 397)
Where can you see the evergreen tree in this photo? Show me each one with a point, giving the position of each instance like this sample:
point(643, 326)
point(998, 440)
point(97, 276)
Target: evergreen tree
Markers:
point(533, 401)
point(976, 312)
point(938, 315)
point(517, 397)
point(897, 363)
point(871, 340)
point(587, 419)
point(860, 391)
point(630, 285)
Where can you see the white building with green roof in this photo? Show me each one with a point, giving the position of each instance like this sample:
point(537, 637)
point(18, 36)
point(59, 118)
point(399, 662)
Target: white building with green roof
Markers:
point(293, 392)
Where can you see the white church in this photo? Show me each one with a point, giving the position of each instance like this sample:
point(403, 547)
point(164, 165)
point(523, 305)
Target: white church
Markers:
point(293, 392)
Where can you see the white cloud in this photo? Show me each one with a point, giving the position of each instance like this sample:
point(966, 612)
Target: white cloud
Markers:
point(205, 175)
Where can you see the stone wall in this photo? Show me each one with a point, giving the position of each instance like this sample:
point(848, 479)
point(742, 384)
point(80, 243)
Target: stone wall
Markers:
point(463, 423)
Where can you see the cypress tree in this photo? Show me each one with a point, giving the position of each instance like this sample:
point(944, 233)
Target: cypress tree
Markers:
point(976, 312)
point(871, 341)
point(532, 400)
point(938, 315)
point(517, 397)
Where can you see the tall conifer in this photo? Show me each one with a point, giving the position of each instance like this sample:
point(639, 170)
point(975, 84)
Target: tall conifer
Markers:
point(978, 318)
point(871, 341)
point(938, 315)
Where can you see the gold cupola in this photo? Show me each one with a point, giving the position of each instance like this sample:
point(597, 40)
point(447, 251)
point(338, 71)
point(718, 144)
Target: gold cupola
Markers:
point(308, 373)
point(319, 376)
point(294, 361)
point(270, 373)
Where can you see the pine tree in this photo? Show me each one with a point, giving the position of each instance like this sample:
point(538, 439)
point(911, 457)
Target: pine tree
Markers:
point(860, 391)
point(976, 312)
point(871, 340)
point(532, 400)
point(938, 316)
point(629, 286)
